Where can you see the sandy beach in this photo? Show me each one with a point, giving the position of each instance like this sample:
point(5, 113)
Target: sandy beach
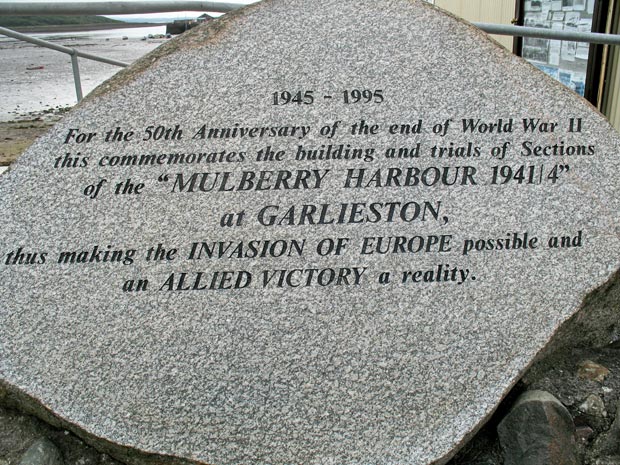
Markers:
point(36, 84)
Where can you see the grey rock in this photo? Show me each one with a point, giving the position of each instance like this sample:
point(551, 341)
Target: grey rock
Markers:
point(611, 460)
point(608, 443)
point(42, 452)
point(584, 433)
point(559, 375)
point(592, 370)
point(19, 430)
point(538, 431)
point(142, 355)
point(594, 406)
point(597, 438)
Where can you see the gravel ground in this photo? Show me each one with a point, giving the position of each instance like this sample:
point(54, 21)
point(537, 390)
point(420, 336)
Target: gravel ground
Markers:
point(16, 136)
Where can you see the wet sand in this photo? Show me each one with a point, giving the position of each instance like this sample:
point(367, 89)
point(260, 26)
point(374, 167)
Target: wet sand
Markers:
point(34, 99)
point(34, 78)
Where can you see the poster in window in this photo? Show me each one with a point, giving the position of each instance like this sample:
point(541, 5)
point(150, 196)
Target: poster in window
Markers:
point(566, 61)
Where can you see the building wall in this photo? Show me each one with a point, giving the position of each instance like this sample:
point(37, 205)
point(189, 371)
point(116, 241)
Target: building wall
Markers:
point(483, 11)
point(612, 102)
point(611, 96)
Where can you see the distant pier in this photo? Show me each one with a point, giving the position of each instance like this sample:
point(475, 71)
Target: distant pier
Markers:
point(181, 25)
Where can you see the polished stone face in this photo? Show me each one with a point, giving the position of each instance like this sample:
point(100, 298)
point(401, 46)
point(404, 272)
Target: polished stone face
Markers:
point(328, 232)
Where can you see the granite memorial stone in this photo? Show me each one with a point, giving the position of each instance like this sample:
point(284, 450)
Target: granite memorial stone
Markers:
point(328, 232)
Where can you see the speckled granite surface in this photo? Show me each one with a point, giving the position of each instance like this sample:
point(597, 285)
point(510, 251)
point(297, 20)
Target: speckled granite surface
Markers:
point(370, 303)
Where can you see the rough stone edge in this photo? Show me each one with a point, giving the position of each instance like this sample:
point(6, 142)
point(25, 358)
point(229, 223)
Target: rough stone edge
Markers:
point(17, 399)
point(536, 395)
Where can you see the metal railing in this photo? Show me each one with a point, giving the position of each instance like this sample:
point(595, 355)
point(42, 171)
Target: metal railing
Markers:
point(98, 8)
point(69, 51)
point(161, 6)
point(522, 31)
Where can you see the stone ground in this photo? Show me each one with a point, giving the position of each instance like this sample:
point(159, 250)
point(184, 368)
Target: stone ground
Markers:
point(587, 382)
point(18, 431)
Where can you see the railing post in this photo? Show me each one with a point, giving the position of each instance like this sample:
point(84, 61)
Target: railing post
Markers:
point(76, 76)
